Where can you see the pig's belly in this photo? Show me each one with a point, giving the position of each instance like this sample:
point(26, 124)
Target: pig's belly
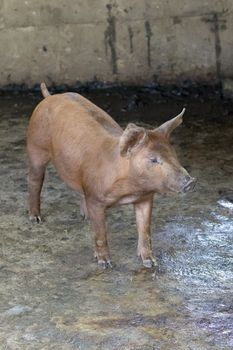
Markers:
point(69, 172)
point(128, 199)
point(131, 199)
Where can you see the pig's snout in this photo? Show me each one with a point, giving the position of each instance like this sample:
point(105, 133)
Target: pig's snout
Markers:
point(189, 183)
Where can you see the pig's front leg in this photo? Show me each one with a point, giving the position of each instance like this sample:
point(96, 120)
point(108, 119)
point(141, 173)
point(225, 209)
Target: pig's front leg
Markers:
point(96, 215)
point(143, 210)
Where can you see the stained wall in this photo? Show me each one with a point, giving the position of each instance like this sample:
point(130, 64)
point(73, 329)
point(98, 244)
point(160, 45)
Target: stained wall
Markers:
point(129, 41)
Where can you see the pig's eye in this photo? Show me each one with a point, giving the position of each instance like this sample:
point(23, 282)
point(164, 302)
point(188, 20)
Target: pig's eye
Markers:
point(154, 160)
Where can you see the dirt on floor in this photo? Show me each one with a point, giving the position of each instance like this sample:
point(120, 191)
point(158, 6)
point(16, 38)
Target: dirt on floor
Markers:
point(53, 295)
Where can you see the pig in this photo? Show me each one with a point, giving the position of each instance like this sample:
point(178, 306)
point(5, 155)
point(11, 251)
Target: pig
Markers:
point(106, 165)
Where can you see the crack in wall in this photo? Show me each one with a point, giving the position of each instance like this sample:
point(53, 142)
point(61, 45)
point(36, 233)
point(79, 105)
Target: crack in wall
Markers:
point(217, 24)
point(130, 31)
point(148, 37)
point(110, 38)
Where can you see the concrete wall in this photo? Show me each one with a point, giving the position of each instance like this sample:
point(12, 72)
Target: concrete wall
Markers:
point(132, 41)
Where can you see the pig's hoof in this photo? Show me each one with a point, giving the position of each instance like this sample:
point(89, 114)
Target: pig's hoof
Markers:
point(83, 211)
point(149, 263)
point(104, 264)
point(84, 216)
point(35, 218)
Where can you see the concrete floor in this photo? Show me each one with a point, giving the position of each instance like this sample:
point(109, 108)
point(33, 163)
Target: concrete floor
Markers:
point(53, 296)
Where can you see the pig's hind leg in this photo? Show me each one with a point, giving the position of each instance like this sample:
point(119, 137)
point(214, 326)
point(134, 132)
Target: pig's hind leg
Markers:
point(37, 162)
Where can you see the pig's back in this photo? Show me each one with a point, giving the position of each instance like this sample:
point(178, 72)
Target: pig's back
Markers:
point(96, 113)
point(73, 116)
point(78, 135)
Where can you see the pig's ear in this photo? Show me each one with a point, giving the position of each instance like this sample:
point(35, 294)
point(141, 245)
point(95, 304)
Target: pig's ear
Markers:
point(132, 139)
point(170, 125)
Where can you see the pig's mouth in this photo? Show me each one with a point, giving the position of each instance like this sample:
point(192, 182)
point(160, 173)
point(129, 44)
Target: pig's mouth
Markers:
point(169, 190)
point(189, 186)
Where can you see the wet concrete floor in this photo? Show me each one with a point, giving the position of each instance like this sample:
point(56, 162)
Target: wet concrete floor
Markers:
point(53, 296)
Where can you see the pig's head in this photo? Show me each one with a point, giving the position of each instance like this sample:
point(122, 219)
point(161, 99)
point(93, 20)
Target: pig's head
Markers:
point(153, 162)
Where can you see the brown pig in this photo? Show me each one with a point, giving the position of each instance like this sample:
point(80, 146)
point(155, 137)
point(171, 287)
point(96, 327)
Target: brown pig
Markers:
point(106, 165)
